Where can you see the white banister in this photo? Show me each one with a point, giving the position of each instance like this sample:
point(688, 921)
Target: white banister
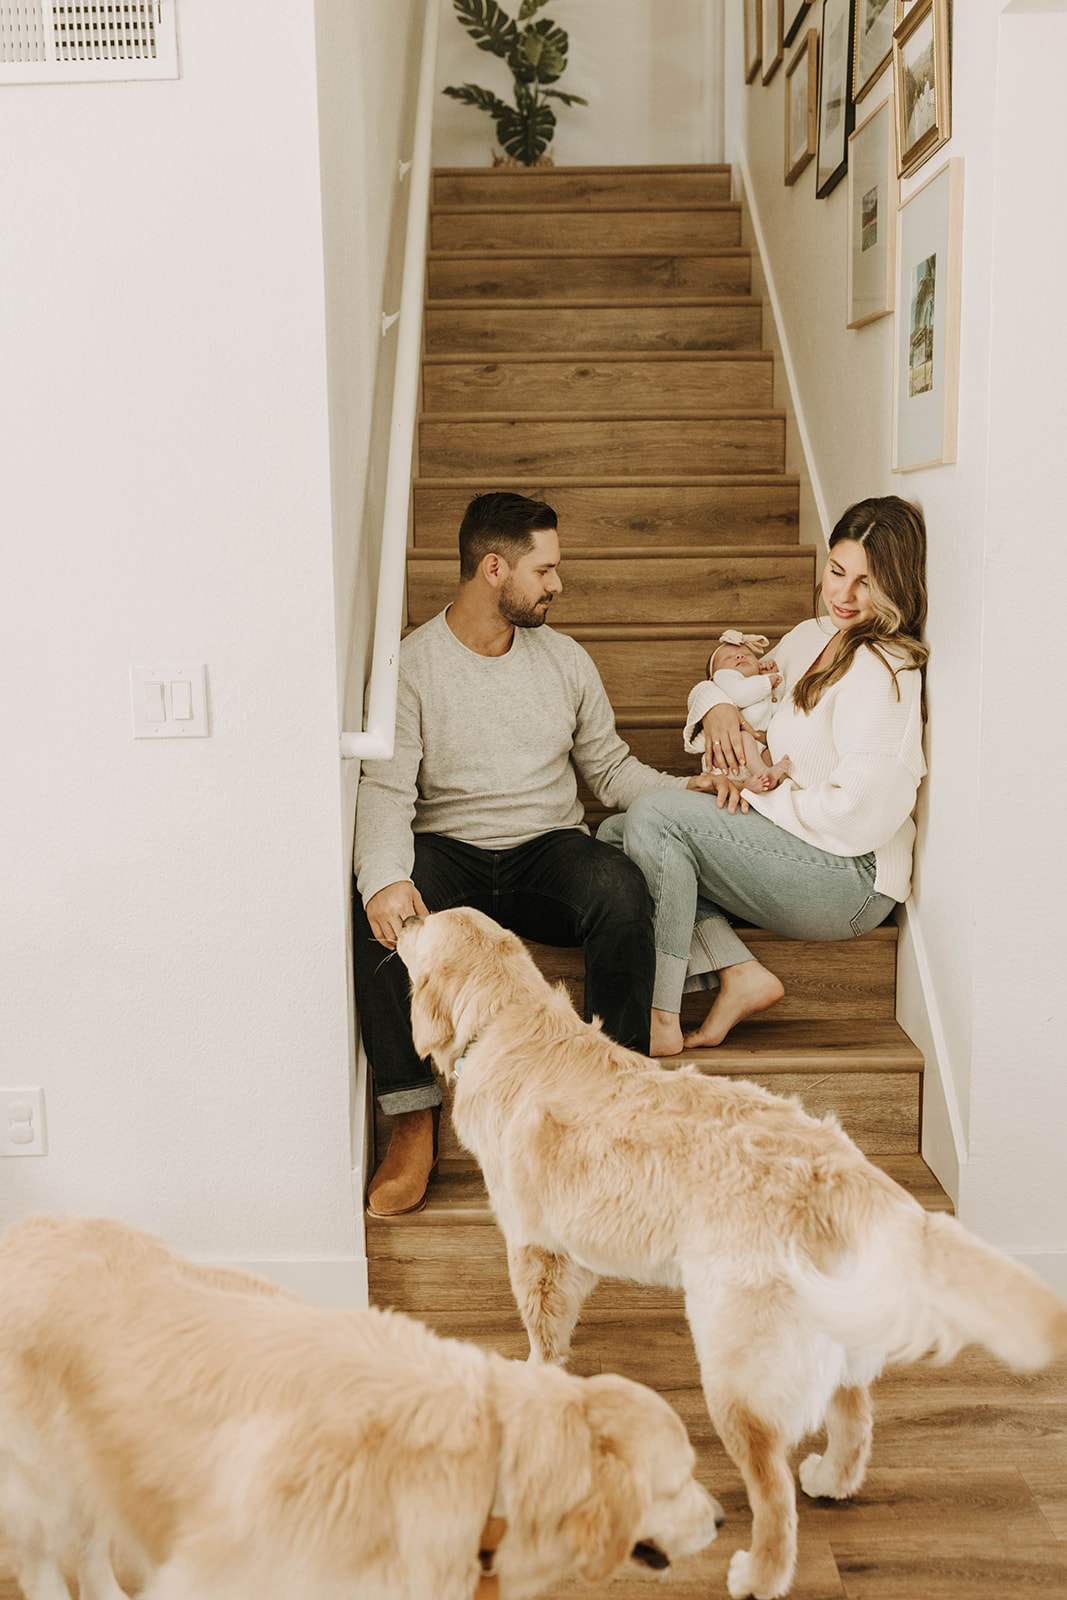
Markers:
point(376, 740)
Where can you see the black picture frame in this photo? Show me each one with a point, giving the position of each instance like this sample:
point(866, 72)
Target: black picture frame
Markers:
point(793, 15)
point(837, 110)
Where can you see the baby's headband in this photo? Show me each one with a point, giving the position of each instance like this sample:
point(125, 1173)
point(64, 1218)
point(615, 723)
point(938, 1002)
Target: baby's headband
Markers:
point(755, 641)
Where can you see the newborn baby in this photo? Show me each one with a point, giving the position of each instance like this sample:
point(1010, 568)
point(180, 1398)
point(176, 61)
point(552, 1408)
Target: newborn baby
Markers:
point(736, 670)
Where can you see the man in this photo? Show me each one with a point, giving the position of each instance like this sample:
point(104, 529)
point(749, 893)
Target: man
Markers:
point(479, 806)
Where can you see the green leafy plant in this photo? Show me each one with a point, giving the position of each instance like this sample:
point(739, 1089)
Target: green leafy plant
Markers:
point(536, 55)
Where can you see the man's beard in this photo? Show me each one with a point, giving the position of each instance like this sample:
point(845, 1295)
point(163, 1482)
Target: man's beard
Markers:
point(517, 612)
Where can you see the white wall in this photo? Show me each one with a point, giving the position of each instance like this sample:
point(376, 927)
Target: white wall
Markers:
point(985, 938)
point(643, 65)
point(175, 962)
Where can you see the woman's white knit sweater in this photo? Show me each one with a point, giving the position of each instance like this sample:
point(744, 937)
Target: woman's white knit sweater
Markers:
point(856, 760)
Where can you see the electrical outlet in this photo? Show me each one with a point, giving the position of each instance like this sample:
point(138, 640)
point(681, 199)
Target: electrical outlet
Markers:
point(22, 1122)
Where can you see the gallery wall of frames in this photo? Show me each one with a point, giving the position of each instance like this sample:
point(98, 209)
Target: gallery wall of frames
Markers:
point(867, 86)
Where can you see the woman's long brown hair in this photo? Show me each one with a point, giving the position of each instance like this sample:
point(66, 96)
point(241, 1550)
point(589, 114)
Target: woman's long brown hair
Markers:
point(893, 534)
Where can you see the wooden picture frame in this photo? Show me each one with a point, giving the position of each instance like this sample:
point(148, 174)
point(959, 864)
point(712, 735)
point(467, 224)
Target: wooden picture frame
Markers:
point(753, 35)
point(793, 14)
point(872, 43)
point(873, 195)
point(900, 10)
point(771, 38)
point(927, 354)
point(923, 88)
point(801, 106)
point(836, 111)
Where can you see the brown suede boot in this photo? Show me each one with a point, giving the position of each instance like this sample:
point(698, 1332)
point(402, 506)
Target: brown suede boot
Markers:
point(399, 1185)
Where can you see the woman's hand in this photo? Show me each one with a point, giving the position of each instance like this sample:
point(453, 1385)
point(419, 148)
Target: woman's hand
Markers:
point(722, 738)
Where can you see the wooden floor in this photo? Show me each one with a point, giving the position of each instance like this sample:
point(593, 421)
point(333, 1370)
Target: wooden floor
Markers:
point(966, 1498)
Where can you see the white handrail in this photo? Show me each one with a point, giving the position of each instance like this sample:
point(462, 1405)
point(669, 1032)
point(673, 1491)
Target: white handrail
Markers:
point(376, 741)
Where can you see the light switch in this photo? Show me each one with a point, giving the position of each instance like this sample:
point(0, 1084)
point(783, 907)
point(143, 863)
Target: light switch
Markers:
point(154, 707)
point(169, 700)
point(181, 700)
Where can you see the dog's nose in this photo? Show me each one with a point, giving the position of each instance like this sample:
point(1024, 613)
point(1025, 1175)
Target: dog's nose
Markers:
point(410, 921)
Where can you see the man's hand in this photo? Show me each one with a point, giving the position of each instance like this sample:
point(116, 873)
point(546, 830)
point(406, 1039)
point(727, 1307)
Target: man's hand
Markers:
point(729, 793)
point(722, 738)
point(390, 907)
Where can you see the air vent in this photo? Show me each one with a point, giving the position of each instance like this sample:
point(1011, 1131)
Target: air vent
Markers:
point(56, 41)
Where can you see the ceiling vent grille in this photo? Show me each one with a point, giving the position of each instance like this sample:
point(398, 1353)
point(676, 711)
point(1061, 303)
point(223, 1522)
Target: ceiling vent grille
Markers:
point(54, 41)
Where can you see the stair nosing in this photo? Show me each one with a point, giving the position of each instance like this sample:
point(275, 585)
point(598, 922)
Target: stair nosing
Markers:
point(490, 173)
point(532, 303)
point(726, 480)
point(732, 252)
point(680, 552)
point(579, 357)
point(680, 414)
point(585, 208)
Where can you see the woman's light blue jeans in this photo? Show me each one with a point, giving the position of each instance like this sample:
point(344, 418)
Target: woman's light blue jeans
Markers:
point(703, 866)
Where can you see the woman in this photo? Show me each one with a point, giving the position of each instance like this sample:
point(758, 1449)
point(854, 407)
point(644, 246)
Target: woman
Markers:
point(827, 854)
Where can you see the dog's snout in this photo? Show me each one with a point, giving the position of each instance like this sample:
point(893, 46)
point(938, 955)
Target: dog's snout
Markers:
point(412, 922)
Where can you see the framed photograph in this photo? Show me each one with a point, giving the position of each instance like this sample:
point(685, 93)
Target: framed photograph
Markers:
point(873, 190)
point(926, 361)
point(801, 106)
point(771, 36)
point(793, 14)
point(835, 103)
point(920, 60)
point(753, 33)
point(872, 43)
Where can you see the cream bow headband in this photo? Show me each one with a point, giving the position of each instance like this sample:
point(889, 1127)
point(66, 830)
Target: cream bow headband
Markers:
point(755, 641)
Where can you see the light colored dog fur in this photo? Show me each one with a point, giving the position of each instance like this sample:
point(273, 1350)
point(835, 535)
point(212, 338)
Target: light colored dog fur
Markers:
point(235, 1444)
point(805, 1268)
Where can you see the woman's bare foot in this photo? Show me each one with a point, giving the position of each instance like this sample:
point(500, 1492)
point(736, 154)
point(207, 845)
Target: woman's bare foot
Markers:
point(765, 778)
point(666, 1033)
point(744, 989)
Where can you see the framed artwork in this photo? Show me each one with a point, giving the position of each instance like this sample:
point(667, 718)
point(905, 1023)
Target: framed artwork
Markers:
point(771, 37)
point(926, 361)
point(920, 60)
point(901, 9)
point(793, 14)
point(872, 217)
point(872, 43)
point(836, 110)
point(753, 32)
point(801, 106)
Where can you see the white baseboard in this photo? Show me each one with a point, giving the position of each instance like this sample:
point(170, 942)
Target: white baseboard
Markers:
point(338, 1285)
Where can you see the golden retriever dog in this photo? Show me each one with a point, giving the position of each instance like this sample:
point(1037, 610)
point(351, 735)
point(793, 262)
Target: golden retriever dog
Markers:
point(232, 1443)
point(805, 1268)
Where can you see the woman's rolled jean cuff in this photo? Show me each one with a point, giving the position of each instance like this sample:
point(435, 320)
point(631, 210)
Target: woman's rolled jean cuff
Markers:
point(714, 945)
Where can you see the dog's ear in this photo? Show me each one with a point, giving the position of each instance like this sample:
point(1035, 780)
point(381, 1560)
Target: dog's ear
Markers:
point(602, 1530)
point(431, 1016)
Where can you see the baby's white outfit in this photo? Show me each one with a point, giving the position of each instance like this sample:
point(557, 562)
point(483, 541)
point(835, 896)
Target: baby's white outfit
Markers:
point(754, 696)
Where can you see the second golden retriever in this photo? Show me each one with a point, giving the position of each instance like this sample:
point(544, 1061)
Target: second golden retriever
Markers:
point(805, 1268)
point(234, 1444)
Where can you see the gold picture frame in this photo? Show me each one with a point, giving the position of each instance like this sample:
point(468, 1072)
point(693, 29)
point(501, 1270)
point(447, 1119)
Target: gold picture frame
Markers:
point(771, 48)
point(872, 43)
point(753, 36)
point(929, 291)
point(922, 83)
point(873, 196)
point(802, 106)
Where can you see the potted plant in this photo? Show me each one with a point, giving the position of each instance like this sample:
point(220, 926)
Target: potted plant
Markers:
point(536, 55)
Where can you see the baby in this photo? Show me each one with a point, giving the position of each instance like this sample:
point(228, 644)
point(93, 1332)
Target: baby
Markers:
point(736, 669)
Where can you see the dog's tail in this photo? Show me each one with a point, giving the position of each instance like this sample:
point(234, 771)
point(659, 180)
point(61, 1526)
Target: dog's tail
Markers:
point(924, 1283)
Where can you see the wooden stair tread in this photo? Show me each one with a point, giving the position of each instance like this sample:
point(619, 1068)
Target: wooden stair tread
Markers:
point(534, 173)
point(765, 1046)
point(457, 1194)
point(609, 206)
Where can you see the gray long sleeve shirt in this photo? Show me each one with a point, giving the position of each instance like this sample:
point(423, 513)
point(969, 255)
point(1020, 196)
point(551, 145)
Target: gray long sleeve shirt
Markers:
point(488, 749)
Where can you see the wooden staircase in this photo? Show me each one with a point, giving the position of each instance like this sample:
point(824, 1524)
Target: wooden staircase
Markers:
point(590, 339)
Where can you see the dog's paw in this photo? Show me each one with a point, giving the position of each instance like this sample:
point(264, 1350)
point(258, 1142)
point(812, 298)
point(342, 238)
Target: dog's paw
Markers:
point(737, 1576)
point(818, 1481)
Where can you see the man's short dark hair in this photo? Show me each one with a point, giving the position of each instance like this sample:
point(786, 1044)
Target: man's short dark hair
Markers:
point(500, 524)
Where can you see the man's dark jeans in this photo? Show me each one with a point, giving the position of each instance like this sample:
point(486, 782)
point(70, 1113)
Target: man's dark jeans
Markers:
point(561, 889)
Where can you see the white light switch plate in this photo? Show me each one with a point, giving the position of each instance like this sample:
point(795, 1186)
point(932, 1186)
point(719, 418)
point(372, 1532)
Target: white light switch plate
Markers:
point(178, 690)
